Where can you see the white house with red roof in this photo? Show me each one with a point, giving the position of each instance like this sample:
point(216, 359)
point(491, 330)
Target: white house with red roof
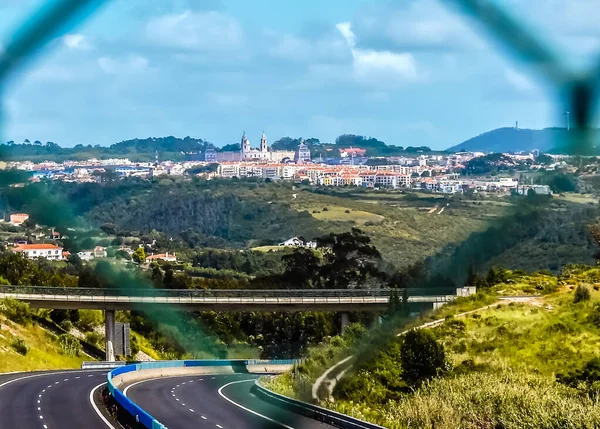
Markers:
point(162, 257)
point(34, 251)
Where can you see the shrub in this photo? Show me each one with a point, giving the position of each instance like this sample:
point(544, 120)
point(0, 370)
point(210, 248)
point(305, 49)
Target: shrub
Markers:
point(348, 211)
point(89, 319)
point(594, 317)
point(422, 356)
point(67, 325)
point(70, 345)
point(587, 375)
point(20, 346)
point(93, 338)
point(582, 293)
point(325, 209)
point(17, 311)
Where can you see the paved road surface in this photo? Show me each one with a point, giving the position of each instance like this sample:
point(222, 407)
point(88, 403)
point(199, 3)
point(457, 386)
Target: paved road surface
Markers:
point(195, 402)
point(49, 400)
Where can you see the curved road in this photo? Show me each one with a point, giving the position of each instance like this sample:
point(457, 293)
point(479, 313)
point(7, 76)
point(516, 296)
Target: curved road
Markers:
point(219, 401)
point(49, 400)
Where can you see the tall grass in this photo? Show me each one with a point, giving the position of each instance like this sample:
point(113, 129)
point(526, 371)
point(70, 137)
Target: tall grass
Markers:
point(485, 401)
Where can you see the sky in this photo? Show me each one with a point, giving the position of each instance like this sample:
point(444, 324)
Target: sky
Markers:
point(408, 72)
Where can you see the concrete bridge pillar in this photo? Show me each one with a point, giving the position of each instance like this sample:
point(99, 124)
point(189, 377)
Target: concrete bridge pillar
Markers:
point(345, 322)
point(109, 334)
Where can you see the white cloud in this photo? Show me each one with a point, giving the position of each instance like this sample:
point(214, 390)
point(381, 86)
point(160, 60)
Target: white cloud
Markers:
point(378, 67)
point(76, 41)
point(196, 31)
point(131, 64)
point(518, 81)
point(413, 25)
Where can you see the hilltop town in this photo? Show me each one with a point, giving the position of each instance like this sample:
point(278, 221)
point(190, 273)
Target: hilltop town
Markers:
point(434, 172)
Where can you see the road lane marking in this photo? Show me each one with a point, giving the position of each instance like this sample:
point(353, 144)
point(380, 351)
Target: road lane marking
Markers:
point(220, 391)
point(106, 422)
point(191, 410)
point(134, 384)
point(203, 417)
point(219, 426)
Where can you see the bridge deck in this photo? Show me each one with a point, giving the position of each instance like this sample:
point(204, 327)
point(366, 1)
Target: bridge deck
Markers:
point(298, 303)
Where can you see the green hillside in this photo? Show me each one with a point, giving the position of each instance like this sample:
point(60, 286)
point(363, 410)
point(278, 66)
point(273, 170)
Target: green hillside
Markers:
point(518, 363)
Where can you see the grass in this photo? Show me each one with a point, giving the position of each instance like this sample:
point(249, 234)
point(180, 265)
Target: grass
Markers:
point(268, 248)
point(44, 351)
point(344, 214)
point(505, 360)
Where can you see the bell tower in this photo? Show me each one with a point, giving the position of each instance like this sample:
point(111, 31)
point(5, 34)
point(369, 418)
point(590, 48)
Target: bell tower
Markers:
point(264, 146)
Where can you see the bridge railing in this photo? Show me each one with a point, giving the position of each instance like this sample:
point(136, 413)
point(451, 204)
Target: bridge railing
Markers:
point(222, 293)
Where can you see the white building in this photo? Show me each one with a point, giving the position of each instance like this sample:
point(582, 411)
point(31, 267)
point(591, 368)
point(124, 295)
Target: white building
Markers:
point(298, 242)
point(162, 257)
point(34, 251)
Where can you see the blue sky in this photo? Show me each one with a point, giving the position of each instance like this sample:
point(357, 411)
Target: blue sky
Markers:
point(409, 72)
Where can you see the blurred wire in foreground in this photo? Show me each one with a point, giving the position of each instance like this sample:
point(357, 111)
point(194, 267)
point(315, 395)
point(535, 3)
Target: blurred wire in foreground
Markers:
point(576, 89)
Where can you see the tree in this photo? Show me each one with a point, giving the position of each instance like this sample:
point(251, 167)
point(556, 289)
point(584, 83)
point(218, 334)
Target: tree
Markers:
point(301, 267)
point(349, 259)
point(422, 357)
point(471, 276)
point(426, 173)
point(394, 304)
point(139, 255)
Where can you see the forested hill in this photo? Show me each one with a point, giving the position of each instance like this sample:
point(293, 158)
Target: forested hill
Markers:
point(141, 150)
point(515, 140)
point(178, 149)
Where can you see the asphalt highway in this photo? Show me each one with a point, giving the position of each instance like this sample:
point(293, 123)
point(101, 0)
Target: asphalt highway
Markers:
point(223, 402)
point(49, 400)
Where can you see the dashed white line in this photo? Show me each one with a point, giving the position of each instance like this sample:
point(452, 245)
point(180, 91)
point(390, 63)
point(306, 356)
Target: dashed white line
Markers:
point(66, 379)
point(45, 427)
point(191, 410)
point(39, 409)
point(39, 396)
point(77, 378)
point(39, 400)
point(219, 426)
point(41, 417)
point(203, 417)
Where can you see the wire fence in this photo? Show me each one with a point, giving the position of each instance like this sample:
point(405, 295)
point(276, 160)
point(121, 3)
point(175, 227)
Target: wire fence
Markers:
point(575, 92)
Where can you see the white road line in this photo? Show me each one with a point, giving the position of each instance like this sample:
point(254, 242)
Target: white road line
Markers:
point(135, 384)
point(45, 427)
point(203, 417)
point(41, 417)
point(77, 378)
point(220, 391)
point(14, 380)
point(191, 410)
point(39, 409)
point(106, 422)
point(219, 426)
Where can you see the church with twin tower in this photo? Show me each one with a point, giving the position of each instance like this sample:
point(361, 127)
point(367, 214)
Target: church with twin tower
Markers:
point(263, 153)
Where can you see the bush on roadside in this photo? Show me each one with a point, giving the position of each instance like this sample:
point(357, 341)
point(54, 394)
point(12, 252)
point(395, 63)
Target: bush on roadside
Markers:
point(20, 346)
point(93, 338)
point(70, 345)
point(89, 319)
point(17, 311)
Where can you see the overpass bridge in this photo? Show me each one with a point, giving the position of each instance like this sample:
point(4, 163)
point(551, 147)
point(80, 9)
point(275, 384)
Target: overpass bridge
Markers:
point(148, 299)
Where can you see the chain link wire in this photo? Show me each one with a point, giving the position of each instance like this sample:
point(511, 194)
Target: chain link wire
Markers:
point(575, 90)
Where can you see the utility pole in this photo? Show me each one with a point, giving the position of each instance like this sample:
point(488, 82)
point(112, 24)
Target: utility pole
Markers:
point(568, 114)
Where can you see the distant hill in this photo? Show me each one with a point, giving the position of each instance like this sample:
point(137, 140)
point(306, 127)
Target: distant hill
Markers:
point(515, 140)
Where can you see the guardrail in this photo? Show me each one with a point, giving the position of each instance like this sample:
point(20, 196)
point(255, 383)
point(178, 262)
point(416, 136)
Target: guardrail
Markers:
point(313, 411)
point(222, 293)
point(102, 365)
point(142, 417)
